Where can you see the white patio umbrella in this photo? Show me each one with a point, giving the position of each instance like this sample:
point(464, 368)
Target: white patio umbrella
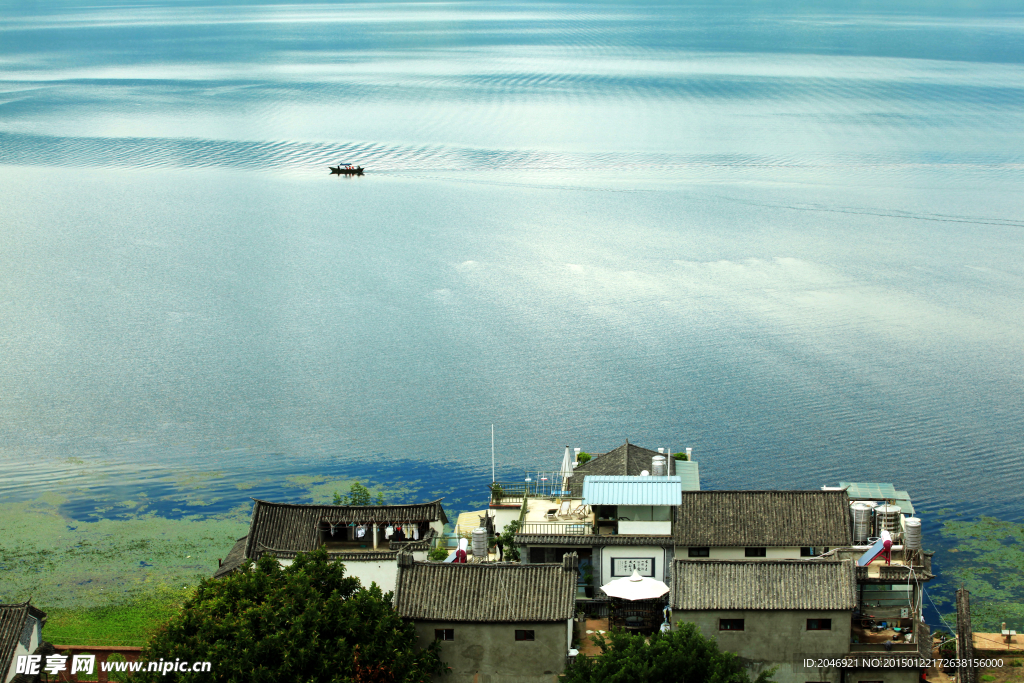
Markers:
point(635, 587)
point(566, 470)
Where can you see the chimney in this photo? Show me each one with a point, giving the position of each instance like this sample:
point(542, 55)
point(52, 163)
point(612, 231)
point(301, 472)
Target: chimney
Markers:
point(689, 454)
point(570, 562)
point(576, 454)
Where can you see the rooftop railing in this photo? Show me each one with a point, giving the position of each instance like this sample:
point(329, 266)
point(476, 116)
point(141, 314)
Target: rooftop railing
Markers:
point(511, 493)
point(556, 528)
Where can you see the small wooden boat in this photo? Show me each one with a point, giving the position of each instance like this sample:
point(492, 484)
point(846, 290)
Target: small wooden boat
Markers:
point(347, 169)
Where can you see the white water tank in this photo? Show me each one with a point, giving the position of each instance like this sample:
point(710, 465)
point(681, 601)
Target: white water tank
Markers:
point(861, 522)
point(887, 517)
point(480, 543)
point(658, 465)
point(912, 531)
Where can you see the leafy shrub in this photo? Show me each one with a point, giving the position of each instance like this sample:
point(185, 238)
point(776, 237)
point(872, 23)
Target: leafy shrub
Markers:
point(304, 622)
point(438, 553)
point(680, 655)
point(508, 540)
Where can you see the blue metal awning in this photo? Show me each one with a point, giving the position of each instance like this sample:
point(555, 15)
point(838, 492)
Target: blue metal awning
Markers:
point(624, 490)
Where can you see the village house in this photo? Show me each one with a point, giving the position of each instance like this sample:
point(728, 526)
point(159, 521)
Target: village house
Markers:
point(367, 539)
point(786, 577)
point(737, 525)
point(21, 633)
point(615, 512)
point(772, 613)
point(631, 460)
point(497, 622)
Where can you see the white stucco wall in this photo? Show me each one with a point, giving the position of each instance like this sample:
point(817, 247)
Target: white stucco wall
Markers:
point(383, 572)
point(627, 528)
point(35, 637)
point(655, 552)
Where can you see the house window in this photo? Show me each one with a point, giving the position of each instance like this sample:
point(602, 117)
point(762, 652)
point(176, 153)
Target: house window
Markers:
point(819, 624)
point(444, 634)
point(806, 552)
point(524, 635)
point(730, 624)
point(755, 552)
point(700, 552)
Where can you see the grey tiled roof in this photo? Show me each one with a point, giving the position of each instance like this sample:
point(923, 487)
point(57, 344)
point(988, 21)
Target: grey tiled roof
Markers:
point(294, 527)
point(763, 518)
point(234, 559)
point(486, 592)
point(627, 459)
point(763, 585)
point(12, 624)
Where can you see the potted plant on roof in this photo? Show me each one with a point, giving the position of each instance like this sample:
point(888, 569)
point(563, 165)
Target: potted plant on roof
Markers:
point(496, 492)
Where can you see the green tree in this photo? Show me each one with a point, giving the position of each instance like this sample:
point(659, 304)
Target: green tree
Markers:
point(438, 553)
point(508, 541)
point(358, 495)
point(680, 656)
point(583, 457)
point(306, 622)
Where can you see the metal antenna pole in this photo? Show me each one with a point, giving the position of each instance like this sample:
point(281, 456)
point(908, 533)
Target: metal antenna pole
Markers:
point(492, 451)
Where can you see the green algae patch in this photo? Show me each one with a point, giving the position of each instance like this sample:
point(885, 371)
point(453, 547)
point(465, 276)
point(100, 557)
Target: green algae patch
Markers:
point(988, 560)
point(67, 564)
point(130, 623)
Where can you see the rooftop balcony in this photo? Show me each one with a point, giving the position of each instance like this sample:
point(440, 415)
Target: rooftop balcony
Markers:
point(899, 635)
point(899, 569)
point(545, 485)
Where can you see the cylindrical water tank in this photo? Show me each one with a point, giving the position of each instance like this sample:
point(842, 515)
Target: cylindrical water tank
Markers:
point(861, 522)
point(912, 537)
point(480, 543)
point(658, 465)
point(887, 517)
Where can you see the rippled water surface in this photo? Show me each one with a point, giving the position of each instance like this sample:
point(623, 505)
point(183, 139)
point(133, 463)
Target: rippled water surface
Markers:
point(788, 236)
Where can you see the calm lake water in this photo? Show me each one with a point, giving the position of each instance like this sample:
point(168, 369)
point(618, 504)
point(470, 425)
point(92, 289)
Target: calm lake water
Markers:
point(788, 235)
